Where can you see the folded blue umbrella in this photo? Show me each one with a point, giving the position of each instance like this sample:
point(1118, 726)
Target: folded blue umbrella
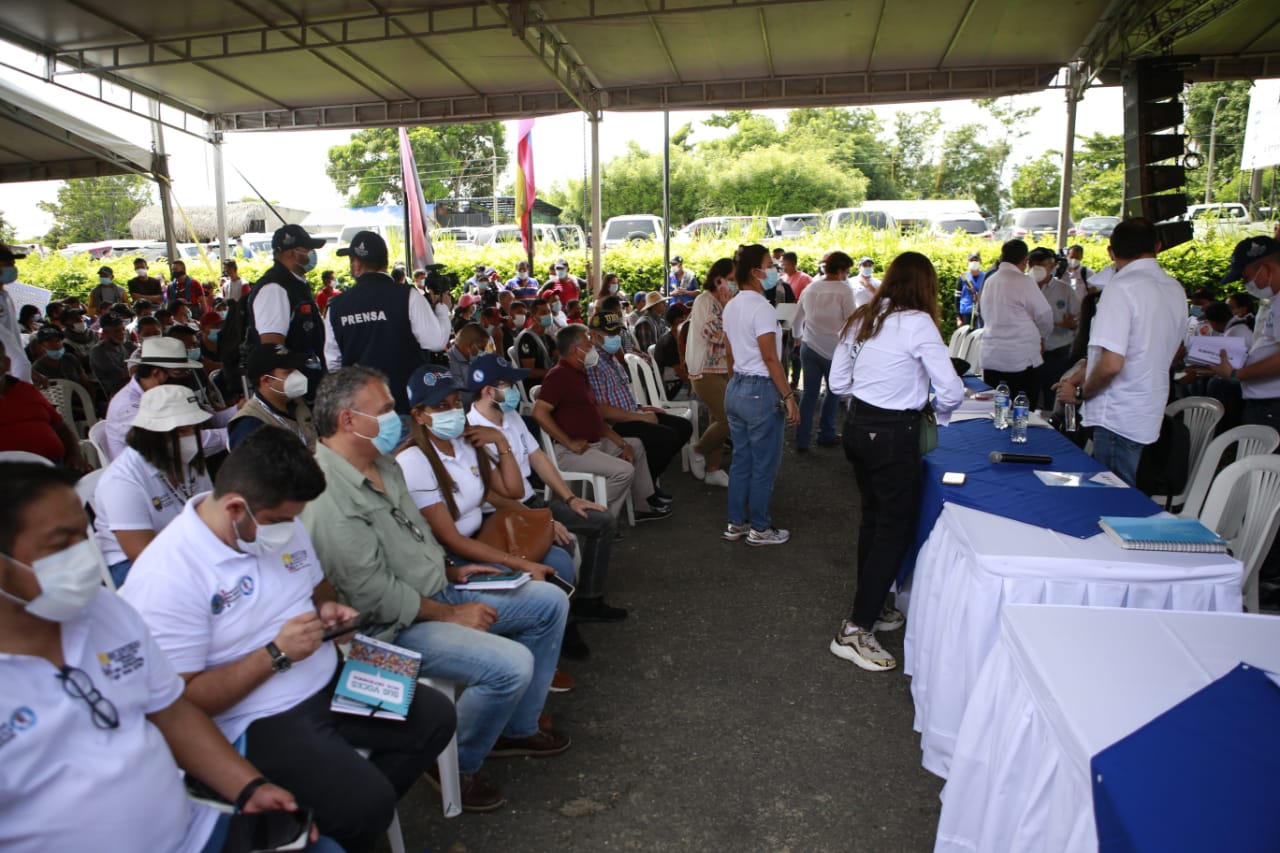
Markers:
point(1202, 776)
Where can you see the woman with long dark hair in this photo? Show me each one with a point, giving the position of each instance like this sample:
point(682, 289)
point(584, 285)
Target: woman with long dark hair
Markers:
point(889, 353)
point(757, 400)
point(708, 369)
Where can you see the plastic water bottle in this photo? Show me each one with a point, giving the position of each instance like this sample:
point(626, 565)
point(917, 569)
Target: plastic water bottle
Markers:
point(1021, 414)
point(1002, 406)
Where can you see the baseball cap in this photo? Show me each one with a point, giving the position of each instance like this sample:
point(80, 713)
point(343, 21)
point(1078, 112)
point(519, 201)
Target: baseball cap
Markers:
point(490, 368)
point(677, 260)
point(609, 323)
point(429, 385)
point(111, 320)
point(1040, 254)
point(265, 358)
point(8, 255)
point(166, 407)
point(48, 333)
point(293, 236)
point(866, 260)
point(368, 247)
point(467, 300)
point(105, 271)
point(146, 303)
point(211, 318)
point(975, 256)
point(1246, 252)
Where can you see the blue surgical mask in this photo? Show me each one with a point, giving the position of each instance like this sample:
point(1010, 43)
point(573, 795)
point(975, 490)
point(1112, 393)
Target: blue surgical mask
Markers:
point(770, 279)
point(311, 261)
point(1197, 310)
point(8, 275)
point(388, 431)
point(56, 354)
point(612, 343)
point(510, 399)
point(194, 354)
point(102, 279)
point(213, 335)
point(545, 320)
point(448, 425)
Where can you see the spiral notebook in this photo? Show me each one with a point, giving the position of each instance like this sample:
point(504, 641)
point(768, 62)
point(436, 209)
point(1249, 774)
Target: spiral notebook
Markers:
point(1163, 534)
point(377, 680)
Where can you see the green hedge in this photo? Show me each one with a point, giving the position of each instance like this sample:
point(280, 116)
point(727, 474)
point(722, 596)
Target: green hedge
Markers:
point(1196, 264)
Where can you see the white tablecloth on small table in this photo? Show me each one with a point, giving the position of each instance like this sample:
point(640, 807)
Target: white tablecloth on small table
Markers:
point(1061, 685)
point(974, 563)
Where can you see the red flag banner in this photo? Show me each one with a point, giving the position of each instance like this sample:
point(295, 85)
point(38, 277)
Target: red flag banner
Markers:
point(525, 190)
point(419, 236)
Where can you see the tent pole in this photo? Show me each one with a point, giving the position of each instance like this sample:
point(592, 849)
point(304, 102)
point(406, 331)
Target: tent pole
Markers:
point(1068, 154)
point(162, 167)
point(219, 190)
point(666, 192)
point(597, 274)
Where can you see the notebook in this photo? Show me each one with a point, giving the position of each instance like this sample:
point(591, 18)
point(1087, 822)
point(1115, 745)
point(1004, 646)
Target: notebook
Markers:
point(1163, 534)
point(378, 680)
point(504, 580)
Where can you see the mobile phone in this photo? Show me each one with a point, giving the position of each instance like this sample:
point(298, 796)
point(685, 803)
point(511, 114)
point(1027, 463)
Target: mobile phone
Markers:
point(356, 623)
point(280, 830)
point(953, 478)
point(562, 583)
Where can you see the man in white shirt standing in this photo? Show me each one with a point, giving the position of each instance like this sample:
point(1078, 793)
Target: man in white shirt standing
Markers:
point(244, 620)
point(1016, 319)
point(1134, 337)
point(866, 284)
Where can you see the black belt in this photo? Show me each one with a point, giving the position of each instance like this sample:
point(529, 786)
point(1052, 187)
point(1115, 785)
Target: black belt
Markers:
point(857, 406)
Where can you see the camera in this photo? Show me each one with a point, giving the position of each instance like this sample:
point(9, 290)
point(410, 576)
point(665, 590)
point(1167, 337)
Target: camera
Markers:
point(438, 281)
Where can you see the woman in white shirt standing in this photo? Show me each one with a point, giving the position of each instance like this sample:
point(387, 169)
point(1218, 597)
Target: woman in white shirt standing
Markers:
point(824, 306)
point(756, 399)
point(890, 351)
point(708, 369)
point(148, 484)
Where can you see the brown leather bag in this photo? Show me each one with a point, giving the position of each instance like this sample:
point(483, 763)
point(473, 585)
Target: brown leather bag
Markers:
point(524, 533)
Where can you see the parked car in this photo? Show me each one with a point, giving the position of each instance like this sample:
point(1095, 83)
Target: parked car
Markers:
point(845, 216)
point(1033, 223)
point(751, 228)
point(633, 228)
point(951, 226)
point(1231, 213)
point(567, 236)
point(796, 224)
point(1096, 226)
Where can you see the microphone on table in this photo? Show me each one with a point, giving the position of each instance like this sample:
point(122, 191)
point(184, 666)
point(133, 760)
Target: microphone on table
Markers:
point(1027, 458)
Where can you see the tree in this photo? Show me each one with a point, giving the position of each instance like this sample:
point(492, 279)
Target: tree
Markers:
point(750, 131)
point(1097, 180)
point(1228, 143)
point(850, 138)
point(1038, 182)
point(6, 229)
point(1009, 123)
point(772, 181)
point(912, 168)
point(970, 168)
point(454, 161)
point(92, 209)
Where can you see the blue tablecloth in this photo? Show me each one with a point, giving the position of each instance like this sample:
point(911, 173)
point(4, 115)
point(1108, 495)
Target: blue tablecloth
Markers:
point(1201, 776)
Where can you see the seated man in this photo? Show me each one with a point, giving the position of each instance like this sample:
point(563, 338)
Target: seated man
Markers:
point(279, 387)
point(107, 357)
point(95, 721)
point(30, 423)
point(382, 559)
point(48, 355)
point(236, 599)
point(468, 343)
point(535, 348)
point(662, 434)
point(566, 409)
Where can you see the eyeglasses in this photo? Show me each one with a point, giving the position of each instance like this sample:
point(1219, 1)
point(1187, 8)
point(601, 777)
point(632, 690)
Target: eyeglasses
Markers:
point(403, 521)
point(79, 685)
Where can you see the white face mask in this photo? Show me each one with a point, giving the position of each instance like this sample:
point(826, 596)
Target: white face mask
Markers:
point(69, 580)
point(866, 271)
point(591, 359)
point(294, 385)
point(188, 448)
point(271, 538)
point(1256, 290)
point(1073, 263)
point(1039, 274)
point(975, 266)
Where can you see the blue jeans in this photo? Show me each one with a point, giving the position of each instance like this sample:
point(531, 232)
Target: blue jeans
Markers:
point(817, 370)
point(1118, 453)
point(557, 558)
point(755, 426)
point(506, 670)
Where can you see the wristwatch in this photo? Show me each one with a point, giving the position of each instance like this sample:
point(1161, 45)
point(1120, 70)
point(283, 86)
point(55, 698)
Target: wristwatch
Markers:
point(279, 660)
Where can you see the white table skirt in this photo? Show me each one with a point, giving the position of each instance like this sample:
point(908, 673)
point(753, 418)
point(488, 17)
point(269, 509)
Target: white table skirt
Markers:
point(974, 563)
point(1061, 685)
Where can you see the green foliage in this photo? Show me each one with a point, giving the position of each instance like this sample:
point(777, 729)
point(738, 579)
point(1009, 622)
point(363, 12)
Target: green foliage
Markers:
point(92, 209)
point(6, 229)
point(1097, 178)
point(851, 139)
point(913, 170)
point(454, 160)
point(1038, 182)
point(1233, 114)
point(970, 168)
point(774, 181)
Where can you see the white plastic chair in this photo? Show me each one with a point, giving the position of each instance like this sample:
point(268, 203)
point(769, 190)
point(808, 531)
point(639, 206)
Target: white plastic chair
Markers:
point(598, 484)
point(85, 487)
point(98, 436)
point(61, 393)
point(973, 351)
point(526, 402)
point(22, 456)
point(656, 393)
point(1250, 440)
point(1243, 507)
point(957, 341)
point(1201, 415)
point(89, 451)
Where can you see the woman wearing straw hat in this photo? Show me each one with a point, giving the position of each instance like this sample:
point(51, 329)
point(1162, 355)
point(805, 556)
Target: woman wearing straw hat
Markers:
point(147, 485)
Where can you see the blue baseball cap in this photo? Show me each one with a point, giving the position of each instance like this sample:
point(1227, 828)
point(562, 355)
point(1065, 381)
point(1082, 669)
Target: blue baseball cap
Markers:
point(1246, 252)
point(489, 368)
point(429, 385)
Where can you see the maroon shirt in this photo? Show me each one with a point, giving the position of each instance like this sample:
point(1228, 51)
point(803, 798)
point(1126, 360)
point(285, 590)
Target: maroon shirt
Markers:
point(568, 391)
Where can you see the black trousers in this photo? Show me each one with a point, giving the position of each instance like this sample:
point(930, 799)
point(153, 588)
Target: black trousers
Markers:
point(1027, 381)
point(311, 751)
point(884, 447)
point(595, 538)
point(1056, 362)
point(662, 441)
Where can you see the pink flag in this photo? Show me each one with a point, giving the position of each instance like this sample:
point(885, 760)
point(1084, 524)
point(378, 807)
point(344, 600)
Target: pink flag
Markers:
point(525, 190)
point(419, 236)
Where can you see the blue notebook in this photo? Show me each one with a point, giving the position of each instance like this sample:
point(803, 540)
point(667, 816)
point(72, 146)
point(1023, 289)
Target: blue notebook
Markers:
point(1163, 534)
point(377, 680)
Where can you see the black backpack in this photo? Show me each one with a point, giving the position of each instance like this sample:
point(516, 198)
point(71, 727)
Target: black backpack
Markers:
point(231, 344)
point(1165, 464)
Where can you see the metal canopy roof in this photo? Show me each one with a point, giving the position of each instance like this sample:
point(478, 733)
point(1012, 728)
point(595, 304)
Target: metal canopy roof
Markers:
point(39, 142)
point(291, 64)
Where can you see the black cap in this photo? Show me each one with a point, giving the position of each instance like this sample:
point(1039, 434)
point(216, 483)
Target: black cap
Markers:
point(8, 255)
point(293, 237)
point(368, 247)
point(105, 271)
point(110, 320)
point(47, 333)
point(677, 260)
point(1246, 252)
point(609, 323)
point(488, 369)
point(1040, 254)
point(265, 358)
point(146, 303)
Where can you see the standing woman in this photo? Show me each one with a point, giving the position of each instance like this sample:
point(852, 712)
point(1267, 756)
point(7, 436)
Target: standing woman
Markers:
point(708, 369)
point(890, 351)
point(755, 399)
point(825, 305)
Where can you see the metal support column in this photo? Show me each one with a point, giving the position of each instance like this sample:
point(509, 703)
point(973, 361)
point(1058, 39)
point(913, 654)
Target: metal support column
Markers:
point(219, 191)
point(597, 274)
point(162, 173)
point(1068, 153)
point(666, 194)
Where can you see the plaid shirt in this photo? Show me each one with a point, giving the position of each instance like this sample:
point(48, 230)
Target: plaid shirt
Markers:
point(611, 383)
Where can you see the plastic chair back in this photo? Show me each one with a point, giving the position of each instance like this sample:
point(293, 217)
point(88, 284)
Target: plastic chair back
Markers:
point(98, 436)
point(1243, 507)
point(1250, 440)
point(62, 393)
point(973, 352)
point(22, 456)
point(1201, 416)
point(957, 341)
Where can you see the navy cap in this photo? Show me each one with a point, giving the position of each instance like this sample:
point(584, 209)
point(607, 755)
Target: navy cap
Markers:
point(1246, 252)
point(111, 320)
point(429, 385)
point(293, 237)
point(8, 255)
point(48, 333)
point(490, 368)
point(368, 247)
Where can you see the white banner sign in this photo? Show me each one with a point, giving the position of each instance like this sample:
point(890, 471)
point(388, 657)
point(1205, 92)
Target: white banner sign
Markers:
point(1262, 133)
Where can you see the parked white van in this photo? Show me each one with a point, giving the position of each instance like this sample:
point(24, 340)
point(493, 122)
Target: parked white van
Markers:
point(635, 227)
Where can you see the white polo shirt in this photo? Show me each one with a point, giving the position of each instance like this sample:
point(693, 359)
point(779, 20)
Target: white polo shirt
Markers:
point(425, 489)
point(522, 442)
point(1142, 315)
point(134, 495)
point(1016, 317)
point(210, 605)
point(747, 316)
point(1266, 340)
point(1062, 301)
point(66, 784)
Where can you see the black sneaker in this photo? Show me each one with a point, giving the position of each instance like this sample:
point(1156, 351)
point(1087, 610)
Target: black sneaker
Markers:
point(595, 610)
point(654, 514)
point(659, 495)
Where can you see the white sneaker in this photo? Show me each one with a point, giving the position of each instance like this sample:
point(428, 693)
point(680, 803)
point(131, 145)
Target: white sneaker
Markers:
point(734, 532)
point(717, 478)
point(772, 536)
point(862, 648)
point(890, 619)
point(697, 464)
